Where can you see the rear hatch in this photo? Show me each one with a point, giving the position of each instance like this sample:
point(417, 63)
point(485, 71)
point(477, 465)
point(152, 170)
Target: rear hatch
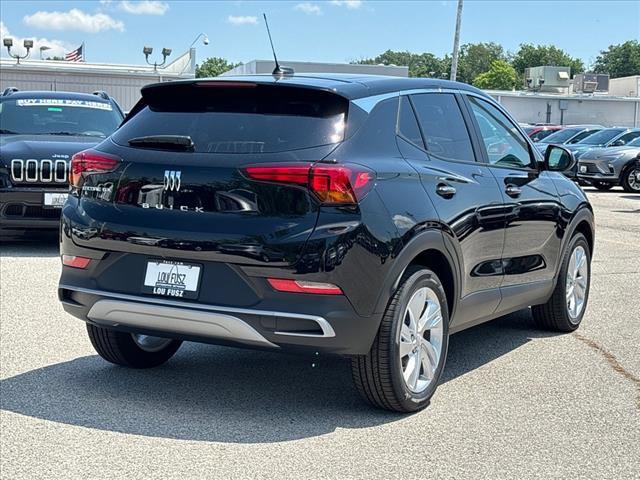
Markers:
point(179, 188)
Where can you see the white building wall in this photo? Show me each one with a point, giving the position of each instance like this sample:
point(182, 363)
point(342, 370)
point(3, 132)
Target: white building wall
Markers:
point(607, 111)
point(625, 86)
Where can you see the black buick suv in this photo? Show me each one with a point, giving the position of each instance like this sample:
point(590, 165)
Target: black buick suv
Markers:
point(370, 217)
point(39, 133)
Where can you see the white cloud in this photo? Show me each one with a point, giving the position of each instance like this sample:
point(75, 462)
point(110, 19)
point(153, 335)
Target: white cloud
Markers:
point(74, 19)
point(350, 4)
point(144, 7)
point(57, 48)
point(308, 8)
point(242, 20)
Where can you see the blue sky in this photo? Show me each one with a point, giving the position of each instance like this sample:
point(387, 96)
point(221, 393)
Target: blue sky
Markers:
point(334, 31)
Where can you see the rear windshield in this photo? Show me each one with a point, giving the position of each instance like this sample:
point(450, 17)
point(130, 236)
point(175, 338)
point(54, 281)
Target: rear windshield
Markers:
point(562, 136)
point(61, 116)
point(602, 137)
point(243, 118)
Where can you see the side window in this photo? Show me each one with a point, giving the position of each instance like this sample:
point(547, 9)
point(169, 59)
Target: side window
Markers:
point(582, 136)
point(536, 137)
point(504, 143)
point(626, 138)
point(443, 126)
point(407, 123)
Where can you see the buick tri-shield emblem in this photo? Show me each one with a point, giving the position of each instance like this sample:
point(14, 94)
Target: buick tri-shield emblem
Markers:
point(172, 180)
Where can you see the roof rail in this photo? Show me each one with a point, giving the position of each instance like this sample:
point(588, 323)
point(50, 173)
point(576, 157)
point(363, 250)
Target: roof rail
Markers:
point(101, 94)
point(9, 91)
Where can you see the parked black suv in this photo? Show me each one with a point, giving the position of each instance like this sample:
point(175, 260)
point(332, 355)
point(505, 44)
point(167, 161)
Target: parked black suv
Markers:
point(39, 132)
point(363, 216)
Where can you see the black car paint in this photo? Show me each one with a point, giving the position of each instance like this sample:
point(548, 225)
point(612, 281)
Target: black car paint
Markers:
point(495, 253)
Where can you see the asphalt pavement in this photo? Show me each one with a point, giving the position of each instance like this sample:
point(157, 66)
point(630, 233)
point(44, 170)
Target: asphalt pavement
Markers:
point(515, 402)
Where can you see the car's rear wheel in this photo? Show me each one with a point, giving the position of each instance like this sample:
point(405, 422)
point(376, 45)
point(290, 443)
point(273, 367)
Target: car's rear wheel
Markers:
point(402, 370)
point(565, 309)
point(604, 186)
point(131, 349)
point(631, 178)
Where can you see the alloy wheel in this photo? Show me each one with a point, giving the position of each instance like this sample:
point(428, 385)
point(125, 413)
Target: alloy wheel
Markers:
point(150, 343)
point(634, 179)
point(421, 339)
point(577, 281)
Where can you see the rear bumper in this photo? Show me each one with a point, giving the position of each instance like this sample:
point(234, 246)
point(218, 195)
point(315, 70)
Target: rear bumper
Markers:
point(22, 209)
point(332, 327)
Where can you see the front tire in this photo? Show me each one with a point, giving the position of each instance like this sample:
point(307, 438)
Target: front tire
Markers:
point(402, 370)
point(631, 178)
point(563, 312)
point(131, 349)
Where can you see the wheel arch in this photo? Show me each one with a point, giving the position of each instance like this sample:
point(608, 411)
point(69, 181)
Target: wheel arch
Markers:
point(581, 222)
point(426, 249)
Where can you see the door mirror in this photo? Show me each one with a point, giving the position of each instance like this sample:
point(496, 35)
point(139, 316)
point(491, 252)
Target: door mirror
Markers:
point(618, 143)
point(558, 158)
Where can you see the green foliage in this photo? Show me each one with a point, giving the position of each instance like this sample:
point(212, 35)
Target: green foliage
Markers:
point(529, 55)
point(420, 64)
point(477, 58)
point(213, 66)
point(500, 76)
point(621, 60)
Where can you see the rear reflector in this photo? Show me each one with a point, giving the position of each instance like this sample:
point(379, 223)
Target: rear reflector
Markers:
point(331, 184)
point(75, 262)
point(299, 286)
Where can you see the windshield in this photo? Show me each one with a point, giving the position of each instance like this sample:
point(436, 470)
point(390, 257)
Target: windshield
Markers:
point(562, 135)
point(61, 116)
point(246, 119)
point(602, 137)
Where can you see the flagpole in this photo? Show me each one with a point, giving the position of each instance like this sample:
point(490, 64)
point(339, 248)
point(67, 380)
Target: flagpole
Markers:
point(84, 53)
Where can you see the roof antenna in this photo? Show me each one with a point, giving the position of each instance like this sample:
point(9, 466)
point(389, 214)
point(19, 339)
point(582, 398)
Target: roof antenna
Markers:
point(280, 71)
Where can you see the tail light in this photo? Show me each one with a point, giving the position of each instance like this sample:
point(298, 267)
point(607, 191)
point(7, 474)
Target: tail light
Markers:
point(299, 286)
point(89, 162)
point(331, 184)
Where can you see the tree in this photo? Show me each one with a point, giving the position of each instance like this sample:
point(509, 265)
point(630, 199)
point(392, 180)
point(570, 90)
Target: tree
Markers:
point(213, 66)
point(500, 76)
point(476, 58)
point(420, 64)
point(540, 55)
point(621, 60)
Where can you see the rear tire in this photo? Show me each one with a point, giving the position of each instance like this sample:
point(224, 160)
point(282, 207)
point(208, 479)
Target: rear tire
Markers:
point(559, 313)
point(630, 181)
point(402, 370)
point(603, 186)
point(123, 349)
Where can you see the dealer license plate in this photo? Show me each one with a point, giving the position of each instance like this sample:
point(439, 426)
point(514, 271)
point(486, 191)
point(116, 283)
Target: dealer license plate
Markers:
point(54, 200)
point(172, 279)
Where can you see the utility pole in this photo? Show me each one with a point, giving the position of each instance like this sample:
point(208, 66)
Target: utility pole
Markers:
point(456, 43)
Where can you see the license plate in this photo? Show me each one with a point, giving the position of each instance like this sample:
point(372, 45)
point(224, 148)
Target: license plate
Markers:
point(55, 200)
point(583, 169)
point(172, 279)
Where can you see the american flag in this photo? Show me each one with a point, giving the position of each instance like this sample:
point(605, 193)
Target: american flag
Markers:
point(76, 55)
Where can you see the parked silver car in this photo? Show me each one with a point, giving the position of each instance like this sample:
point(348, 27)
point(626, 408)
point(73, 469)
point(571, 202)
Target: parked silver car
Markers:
point(605, 168)
point(567, 136)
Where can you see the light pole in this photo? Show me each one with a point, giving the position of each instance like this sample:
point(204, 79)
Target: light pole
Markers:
point(42, 49)
point(205, 39)
point(28, 44)
point(456, 43)
point(149, 50)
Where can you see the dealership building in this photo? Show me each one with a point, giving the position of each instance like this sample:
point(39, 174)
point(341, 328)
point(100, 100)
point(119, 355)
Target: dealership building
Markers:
point(122, 82)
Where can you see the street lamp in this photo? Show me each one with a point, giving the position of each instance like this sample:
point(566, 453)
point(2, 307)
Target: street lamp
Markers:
point(205, 39)
point(42, 49)
point(28, 44)
point(149, 50)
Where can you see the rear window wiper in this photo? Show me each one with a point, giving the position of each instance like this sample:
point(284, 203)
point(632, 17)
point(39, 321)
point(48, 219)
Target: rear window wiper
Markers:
point(164, 142)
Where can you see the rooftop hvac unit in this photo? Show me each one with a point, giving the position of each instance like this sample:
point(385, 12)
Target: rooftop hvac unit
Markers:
point(591, 83)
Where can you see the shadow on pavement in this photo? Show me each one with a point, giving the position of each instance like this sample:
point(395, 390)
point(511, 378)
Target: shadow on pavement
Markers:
point(231, 395)
point(35, 245)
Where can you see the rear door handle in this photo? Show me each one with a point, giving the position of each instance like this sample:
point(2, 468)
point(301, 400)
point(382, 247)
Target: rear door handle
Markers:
point(513, 191)
point(445, 191)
